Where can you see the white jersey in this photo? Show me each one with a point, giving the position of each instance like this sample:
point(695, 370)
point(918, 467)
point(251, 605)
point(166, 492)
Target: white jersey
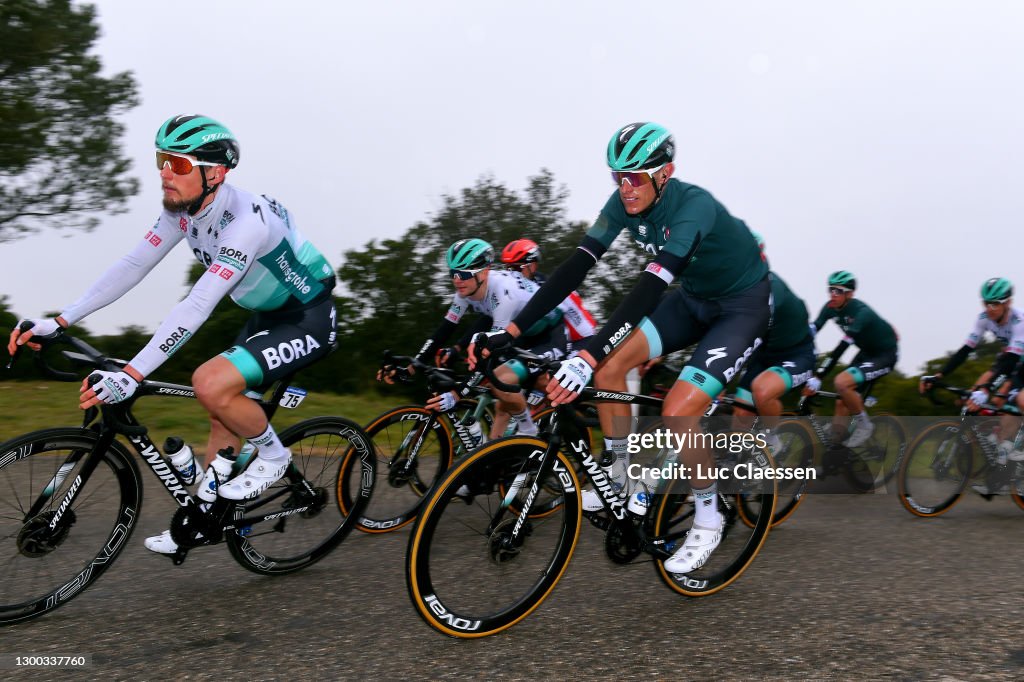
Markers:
point(1011, 333)
point(507, 294)
point(252, 252)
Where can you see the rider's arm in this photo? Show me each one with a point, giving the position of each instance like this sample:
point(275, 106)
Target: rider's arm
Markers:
point(1001, 370)
point(637, 304)
point(824, 316)
point(220, 278)
point(833, 357)
point(125, 273)
point(564, 281)
point(956, 360)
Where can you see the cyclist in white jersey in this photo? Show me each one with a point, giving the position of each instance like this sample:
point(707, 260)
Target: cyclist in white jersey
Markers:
point(1006, 324)
point(252, 252)
point(498, 296)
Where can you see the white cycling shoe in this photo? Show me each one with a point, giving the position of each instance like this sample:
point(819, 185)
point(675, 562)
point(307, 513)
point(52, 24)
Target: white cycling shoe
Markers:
point(161, 544)
point(257, 477)
point(698, 546)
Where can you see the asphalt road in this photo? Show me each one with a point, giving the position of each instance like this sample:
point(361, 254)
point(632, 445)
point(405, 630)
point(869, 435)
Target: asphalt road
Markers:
point(850, 587)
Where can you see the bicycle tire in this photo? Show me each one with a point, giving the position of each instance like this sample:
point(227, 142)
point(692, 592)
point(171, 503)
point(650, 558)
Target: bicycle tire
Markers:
point(887, 446)
point(54, 565)
point(740, 543)
point(936, 469)
point(464, 592)
point(1017, 485)
point(799, 444)
point(397, 493)
point(293, 539)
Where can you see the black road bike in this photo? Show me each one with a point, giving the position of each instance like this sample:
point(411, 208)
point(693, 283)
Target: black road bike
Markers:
point(947, 454)
point(71, 497)
point(476, 569)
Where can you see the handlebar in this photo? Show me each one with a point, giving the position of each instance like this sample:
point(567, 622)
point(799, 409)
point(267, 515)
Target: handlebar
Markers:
point(963, 393)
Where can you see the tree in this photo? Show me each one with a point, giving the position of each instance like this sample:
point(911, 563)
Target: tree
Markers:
point(60, 155)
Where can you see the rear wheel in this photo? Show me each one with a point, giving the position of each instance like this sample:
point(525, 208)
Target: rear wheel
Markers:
point(308, 519)
point(740, 542)
point(796, 453)
point(55, 551)
point(936, 468)
point(476, 564)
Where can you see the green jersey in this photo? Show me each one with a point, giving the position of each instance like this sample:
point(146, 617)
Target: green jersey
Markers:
point(790, 323)
point(723, 257)
point(862, 325)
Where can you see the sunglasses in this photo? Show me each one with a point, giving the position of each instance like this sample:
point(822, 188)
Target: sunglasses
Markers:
point(179, 163)
point(463, 275)
point(635, 178)
point(838, 291)
point(995, 304)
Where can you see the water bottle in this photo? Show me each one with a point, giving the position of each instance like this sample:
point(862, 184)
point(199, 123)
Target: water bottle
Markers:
point(182, 458)
point(218, 472)
point(638, 503)
point(475, 431)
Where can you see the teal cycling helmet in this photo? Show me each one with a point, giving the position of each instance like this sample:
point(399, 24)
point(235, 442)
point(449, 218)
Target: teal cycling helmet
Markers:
point(842, 278)
point(997, 290)
point(640, 146)
point(469, 254)
point(198, 136)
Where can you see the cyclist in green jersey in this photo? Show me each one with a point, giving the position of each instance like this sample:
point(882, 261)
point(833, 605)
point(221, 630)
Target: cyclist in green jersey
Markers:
point(721, 305)
point(878, 351)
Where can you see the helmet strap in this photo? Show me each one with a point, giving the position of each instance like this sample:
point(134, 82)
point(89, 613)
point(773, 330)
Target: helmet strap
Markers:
point(207, 191)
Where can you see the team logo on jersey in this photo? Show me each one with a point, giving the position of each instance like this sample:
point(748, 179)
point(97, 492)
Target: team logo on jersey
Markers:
point(232, 257)
point(175, 341)
point(153, 238)
point(715, 354)
point(226, 219)
point(183, 224)
point(289, 351)
point(642, 230)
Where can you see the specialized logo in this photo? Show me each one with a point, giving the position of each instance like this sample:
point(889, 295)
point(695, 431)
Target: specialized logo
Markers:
point(153, 239)
point(626, 397)
point(289, 351)
point(175, 341)
point(715, 354)
point(213, 137)
point(176, 391)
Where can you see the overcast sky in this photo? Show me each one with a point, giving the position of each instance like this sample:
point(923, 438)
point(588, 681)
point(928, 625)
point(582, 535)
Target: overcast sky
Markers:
point(879, 137)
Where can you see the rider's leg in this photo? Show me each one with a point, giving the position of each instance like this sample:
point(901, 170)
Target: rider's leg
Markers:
point(513, 403)
point(768, 389)
point(616, 417)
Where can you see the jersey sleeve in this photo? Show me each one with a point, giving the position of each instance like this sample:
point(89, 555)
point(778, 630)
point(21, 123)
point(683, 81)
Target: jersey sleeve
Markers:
point(1016, 344)
point(236, 256)
point(977, 334)
point(692, 222)
point(128, 271)
point(824, 316)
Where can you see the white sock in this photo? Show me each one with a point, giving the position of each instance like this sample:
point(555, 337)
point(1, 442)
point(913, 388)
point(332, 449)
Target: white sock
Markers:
point(863, 420)
point(705, 502)
point(525, 423)
point(270, 446)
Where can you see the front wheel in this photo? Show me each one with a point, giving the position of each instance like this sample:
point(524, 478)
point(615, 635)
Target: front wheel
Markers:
point(936, 468)
point(478, 560)
point(746, 479)
point(412, 447)
point(299, 520)
point(56, 550)
point(795, 454)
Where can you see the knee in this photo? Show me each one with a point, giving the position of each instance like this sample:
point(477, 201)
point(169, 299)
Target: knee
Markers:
point(610, 372)
point(209, 389)
point(845, 382)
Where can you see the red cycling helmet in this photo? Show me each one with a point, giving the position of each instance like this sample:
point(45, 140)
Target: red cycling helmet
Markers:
point(520, 252)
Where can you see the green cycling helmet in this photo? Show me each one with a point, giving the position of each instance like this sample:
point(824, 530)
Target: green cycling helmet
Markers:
point(640, 146)
point(997, 290)
point(199, 136)
point(842, 278)
point(469, 254)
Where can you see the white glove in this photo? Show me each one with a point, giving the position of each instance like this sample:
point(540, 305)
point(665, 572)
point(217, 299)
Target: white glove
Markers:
point(448, 401)
point(979, 397)
point(574, 374)
point(44, 327)
point(813, 384)
point(114, 387)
